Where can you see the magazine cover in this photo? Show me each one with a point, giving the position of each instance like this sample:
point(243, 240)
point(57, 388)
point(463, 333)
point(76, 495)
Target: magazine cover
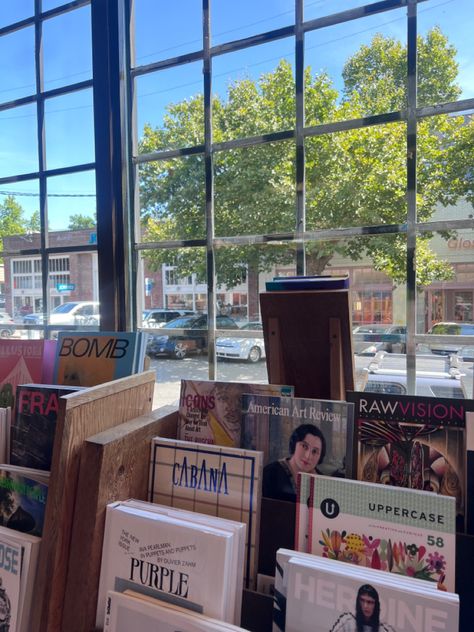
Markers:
point(209, 479)
point(29, 545)
point(470, 473)
point(132, 611)
point(87, 359)
point(174, 560)
point(10, 578)
point(403, 531)
point(211, 412)
point(412, 441)
point(322, 598)
point(21, 361)
point(22, 499)
point(268, 423)
point(34, 424)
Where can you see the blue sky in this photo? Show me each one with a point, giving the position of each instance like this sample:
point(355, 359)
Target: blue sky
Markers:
point(164, 30)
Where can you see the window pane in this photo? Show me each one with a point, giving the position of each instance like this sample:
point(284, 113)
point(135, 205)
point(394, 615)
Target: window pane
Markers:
point(255, 190)
point(164, 30)
point(17, 65)
point(356, 178)
point(73, 280)
point(445, 54)
point(363, 61)
point(175, 281)
point(170, 108)
point(172, 199)
point(314, 10)
point(18, 131)
point(20, 202)
point(72, 207)
point(254, 91)
point(11, 12)
point(69, 116)
point(67, 59)
point(444, 169)
point(232, 21)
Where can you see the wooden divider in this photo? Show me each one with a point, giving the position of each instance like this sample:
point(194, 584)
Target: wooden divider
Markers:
point(114, 466)
point(81, 415)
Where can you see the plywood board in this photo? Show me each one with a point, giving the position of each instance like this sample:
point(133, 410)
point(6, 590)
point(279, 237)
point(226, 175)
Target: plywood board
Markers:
point(114, 466)
point(297, 334)
point(81, 415)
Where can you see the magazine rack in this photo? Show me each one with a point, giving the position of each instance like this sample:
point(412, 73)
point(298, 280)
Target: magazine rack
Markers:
point(308, 341)
point(114, 466)
point(81, 415)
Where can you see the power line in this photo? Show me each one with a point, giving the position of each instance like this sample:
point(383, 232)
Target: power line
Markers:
point(32, 194)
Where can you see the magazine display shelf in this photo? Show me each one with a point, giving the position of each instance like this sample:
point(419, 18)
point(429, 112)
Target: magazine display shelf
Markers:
point(80, 415)
point(114, 466)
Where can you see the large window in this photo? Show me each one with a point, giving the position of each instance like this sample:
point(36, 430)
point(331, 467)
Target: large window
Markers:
point(178, 160)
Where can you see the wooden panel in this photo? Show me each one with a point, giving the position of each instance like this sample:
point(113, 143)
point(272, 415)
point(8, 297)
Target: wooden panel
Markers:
point(296, 329)
point(81, 415)
point(114, 466)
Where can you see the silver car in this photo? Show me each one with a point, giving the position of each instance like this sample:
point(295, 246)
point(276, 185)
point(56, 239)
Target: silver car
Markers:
point(249, 349)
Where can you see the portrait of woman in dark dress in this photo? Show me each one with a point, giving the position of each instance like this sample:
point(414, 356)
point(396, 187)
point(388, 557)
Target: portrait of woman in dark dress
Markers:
point(307, 447)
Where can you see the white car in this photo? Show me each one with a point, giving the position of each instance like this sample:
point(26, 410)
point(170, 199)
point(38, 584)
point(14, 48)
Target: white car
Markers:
point(251, 349)
point(73, 313)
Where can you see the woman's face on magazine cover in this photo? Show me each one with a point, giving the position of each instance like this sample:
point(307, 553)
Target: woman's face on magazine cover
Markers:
point(367, 605)
point(307, 453)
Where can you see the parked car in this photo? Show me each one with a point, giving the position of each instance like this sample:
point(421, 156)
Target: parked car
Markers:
point(435, 376)
point(7, 325)
point(158, 317)
point(449, 329)
point(363, 335)
point(392, 340)
point(250, 349)
point(74, 313)
point(180, 345)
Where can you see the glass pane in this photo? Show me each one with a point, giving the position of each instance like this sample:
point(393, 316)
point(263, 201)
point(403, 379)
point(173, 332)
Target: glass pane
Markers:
point(11, 12)
point(170, 108)
point(52, 4)
point(445, 54)
point(17, 65)
point(358, 66)
point(73, 290)
point(67, 59)
point(317, 9)
point(172, 199)
point(356, 178)
point(173, 292)
point(69, 117)
point(164, 30)
point(18, 131)
point(255, 190)
point(254, 91)
point(19, 204)
point(233, 21)
point(72, 207)
point(444, 169)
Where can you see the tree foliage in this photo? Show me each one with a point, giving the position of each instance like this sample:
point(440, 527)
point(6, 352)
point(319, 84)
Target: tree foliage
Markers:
point(353, 178)
point(80, 222)
point(13, 220)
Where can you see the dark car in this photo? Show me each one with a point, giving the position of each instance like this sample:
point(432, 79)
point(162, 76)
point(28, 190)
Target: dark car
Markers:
point(180, 345)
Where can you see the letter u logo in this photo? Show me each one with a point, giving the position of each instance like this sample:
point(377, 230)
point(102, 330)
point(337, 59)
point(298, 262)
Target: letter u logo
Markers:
point(329, 508)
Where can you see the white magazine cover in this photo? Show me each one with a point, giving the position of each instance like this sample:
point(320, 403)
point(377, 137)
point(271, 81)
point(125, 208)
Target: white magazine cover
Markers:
point(10, 580)
point(131, 611)
point(283, 557)
point(238, 529)
point(210, 479)
point(30, 545)
point(325, 597)
point(176, 560)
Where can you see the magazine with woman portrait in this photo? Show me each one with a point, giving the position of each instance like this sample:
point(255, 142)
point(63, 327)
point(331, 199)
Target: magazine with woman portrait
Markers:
point(297, 435)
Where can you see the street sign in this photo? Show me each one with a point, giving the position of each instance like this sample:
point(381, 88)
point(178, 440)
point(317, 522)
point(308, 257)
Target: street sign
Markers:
point(65, 287)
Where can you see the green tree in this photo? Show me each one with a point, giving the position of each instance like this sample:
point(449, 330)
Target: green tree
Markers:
point(13, 221)
point(80, 222)
point(354, 178)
